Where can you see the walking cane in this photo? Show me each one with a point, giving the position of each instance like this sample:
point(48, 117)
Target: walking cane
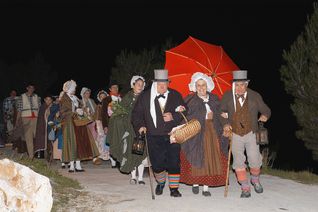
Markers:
point(228, 166)
point(150, 169)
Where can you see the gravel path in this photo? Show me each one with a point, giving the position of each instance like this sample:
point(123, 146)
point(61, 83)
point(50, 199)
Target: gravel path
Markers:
point(109, 190)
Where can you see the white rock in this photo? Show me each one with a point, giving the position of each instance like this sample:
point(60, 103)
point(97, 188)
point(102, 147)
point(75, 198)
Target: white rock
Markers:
point(22, 189)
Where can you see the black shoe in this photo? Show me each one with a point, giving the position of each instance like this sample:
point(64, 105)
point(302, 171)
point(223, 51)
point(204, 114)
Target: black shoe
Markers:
point(257, 187)
point(71, 170)
point(79, 170)
point(159, 189)
point(141, 182)
point(245, 194)
point(174, 192)
point(195, 189)
point(206, 193)
point(63, 166)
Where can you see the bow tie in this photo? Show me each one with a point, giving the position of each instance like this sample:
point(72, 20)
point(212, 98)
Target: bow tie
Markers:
point(161, 96)
point(241, 96)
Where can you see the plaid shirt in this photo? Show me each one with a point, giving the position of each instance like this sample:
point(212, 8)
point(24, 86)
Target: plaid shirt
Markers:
point(9, 104)
point(20, 103)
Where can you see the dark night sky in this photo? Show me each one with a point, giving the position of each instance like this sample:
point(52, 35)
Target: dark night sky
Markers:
point(76, 39)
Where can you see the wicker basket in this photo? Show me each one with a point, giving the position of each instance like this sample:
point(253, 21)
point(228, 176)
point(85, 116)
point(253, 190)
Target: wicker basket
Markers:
point(78, 121)
point(188, 130)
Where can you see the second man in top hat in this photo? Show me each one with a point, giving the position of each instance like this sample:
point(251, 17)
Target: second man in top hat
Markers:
point(156, 113)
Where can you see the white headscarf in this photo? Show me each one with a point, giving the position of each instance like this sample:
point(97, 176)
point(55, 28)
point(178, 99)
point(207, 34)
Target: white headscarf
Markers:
point(134, 79)
point(84, 89)
point(69, 87)
point(197, 76)
point(99, 93)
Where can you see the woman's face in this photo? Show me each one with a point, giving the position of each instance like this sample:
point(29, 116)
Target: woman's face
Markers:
point(102, 96)
point(138, 86)
point(201, 87)
point(87, 94)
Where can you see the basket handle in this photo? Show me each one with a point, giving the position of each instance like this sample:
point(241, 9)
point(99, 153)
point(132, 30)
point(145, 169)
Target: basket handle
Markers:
point(184, 116)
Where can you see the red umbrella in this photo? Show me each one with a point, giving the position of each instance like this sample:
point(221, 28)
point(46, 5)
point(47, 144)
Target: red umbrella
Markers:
point(193, 56)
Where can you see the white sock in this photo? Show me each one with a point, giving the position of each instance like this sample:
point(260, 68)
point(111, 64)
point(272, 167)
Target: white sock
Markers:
point(141, 169)
point(205, 188)
point(78, 165)
point(133, 174)
point(72, 165)
point(195, 185)
point(63, 164)
point(112, 161)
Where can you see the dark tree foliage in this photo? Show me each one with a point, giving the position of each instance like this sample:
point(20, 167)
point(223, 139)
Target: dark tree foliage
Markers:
point(18, 75)
point(300, 76)
point(129, 63)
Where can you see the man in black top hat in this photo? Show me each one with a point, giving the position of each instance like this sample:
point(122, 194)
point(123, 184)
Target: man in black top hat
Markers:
point(156, 113)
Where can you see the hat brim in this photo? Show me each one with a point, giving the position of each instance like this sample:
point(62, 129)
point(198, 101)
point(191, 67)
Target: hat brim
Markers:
point(161, 80)
point(238, 80)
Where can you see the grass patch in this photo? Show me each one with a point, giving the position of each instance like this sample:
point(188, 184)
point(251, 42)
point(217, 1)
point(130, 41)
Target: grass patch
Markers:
point(305, 177)
point(63, 188)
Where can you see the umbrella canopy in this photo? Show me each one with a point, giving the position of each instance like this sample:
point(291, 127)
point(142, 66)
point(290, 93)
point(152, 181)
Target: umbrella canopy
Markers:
point(193, 56)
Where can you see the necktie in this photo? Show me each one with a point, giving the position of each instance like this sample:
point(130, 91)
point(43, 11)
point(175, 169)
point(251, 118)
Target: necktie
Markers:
point(241, 96)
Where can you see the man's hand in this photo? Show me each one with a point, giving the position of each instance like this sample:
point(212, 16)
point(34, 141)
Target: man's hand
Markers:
point(263, 118)
point(167, 117)
point(227, 130)
point(105, 130)
point(142, 130)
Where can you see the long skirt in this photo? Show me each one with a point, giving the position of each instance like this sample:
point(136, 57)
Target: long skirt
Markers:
point(213, 171)
point(96, 128)
point(121, 136)
point(86, 147)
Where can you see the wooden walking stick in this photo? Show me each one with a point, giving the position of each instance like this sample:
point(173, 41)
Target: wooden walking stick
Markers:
point(228, 166)
point(150, 169)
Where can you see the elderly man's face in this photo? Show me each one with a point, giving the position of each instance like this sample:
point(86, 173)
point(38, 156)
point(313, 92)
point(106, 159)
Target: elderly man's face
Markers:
point(240, 87)
point(162, 87)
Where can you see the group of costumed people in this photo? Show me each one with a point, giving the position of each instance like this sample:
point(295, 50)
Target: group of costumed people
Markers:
point(201, 160)
point(156, 112)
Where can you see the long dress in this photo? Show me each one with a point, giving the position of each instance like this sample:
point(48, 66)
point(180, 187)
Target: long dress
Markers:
point(78, 142)
point(40, 141)
point(121, 135)
point(204, 157)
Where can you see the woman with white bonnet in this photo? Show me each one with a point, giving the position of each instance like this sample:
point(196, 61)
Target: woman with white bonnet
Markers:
point(203, 160)
point(77, 142)
point(89, 107)
point(121, 133)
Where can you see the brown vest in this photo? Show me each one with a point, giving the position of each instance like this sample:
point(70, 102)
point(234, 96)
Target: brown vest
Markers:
point(241, 124)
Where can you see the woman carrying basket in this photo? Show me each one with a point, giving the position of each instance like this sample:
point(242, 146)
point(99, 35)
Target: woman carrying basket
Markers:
point(204, 156)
